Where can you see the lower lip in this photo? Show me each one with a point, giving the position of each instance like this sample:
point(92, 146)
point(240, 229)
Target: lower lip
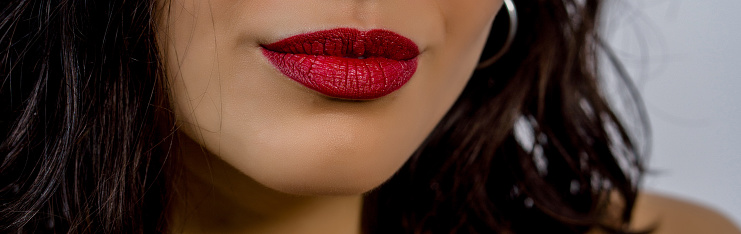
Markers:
point(342, 77)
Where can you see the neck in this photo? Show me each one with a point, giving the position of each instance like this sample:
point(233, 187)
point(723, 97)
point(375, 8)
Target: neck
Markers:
point(211, 196)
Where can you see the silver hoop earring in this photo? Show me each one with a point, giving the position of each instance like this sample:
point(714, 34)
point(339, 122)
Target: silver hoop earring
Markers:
point(512, 12)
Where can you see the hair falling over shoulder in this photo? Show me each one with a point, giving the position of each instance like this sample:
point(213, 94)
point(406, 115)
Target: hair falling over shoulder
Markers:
point(531, 146)
point(81, 92)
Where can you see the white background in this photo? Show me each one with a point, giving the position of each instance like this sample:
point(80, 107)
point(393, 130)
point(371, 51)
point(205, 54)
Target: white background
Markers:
point(685, 57)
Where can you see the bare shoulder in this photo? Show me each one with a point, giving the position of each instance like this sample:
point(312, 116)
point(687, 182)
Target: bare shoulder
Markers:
point(676, 216)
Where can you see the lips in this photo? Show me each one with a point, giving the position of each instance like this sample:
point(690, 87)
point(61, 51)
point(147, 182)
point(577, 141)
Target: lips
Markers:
point(346, 63)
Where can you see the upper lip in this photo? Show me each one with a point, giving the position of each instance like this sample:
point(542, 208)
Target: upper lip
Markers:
point(349, 43)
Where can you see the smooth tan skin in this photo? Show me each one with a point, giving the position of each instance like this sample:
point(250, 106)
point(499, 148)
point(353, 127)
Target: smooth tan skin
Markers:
point(230, 99)
point(675, 216)
point(218, 198)
point(268, 139)
point(263, 154)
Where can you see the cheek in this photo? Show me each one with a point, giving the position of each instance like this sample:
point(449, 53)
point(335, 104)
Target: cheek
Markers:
point(469, 11)
point(467, 24)
point(190, 54)
point(452, 59)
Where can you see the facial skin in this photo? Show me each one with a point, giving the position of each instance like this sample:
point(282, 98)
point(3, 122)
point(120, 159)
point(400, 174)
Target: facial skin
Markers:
point(228, 98)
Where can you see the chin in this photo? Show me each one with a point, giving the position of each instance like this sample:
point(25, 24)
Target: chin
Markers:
point(336, 186)
point(324, 174)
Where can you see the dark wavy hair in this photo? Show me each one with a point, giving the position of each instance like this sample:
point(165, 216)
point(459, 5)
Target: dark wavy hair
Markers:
point(531, 146)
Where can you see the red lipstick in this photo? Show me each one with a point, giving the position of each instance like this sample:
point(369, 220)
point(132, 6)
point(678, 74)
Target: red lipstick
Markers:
point(346, 63)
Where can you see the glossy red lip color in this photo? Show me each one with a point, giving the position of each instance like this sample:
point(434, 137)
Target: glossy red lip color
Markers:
point(346, 63)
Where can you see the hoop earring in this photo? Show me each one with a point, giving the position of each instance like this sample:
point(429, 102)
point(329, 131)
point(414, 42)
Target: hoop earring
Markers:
point(512, 12)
